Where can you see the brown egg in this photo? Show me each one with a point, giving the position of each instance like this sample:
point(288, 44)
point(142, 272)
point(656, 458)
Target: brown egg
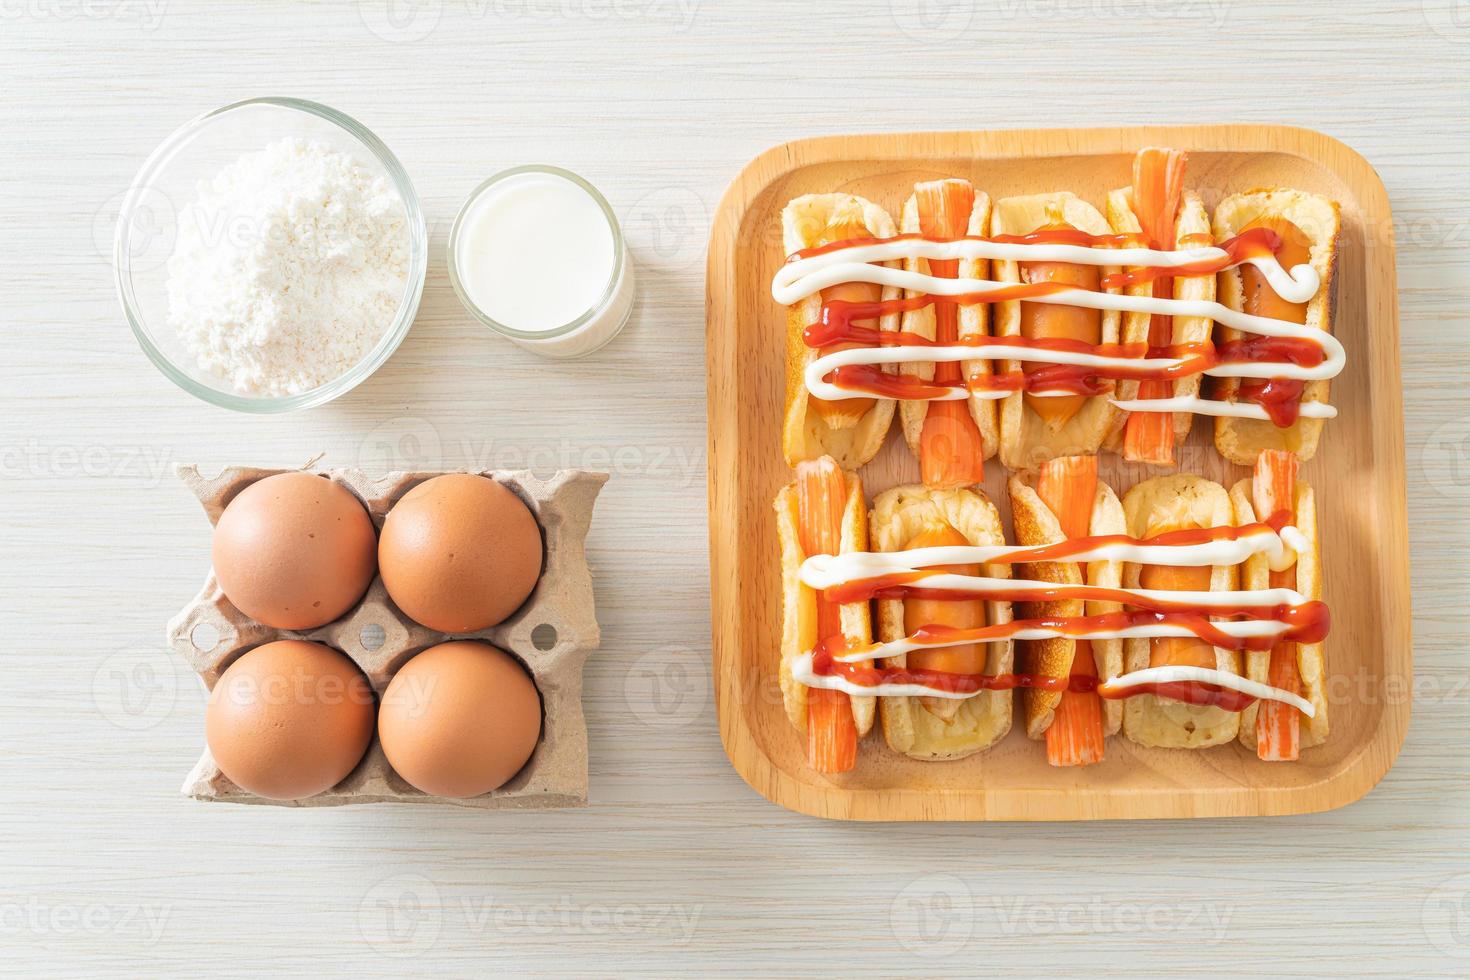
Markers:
point(289, 719)
point(460, 719)
point(459, 553)
point(294, 551)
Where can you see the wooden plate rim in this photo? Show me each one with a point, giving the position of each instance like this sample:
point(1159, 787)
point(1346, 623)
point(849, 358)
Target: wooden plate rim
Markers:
point(1375, 756)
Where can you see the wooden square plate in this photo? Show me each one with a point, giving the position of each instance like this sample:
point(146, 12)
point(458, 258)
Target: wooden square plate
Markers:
point(1358, 473)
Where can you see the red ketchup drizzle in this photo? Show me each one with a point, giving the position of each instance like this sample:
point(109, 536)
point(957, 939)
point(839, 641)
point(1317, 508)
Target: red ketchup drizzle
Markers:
point(1308, 622)
point(864, 675)
point(1253, 243)
point(1190, 692)
point(1070, 548)
point(1060, 236)
point(1280, 397)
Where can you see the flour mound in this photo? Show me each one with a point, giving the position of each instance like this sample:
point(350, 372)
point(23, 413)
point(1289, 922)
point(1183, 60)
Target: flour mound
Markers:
point(289, 267)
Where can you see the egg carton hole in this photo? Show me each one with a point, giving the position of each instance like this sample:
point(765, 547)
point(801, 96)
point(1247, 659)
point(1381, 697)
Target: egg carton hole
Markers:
point(205, 637)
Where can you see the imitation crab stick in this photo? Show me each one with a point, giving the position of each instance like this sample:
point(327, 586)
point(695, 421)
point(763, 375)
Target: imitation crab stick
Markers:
point(846, 412)
point(951, 452)
point(821, 497)
point(1278, 725)
point(958, 614)
point(1158, 186)
point(1068, 487)
point(1053, 321)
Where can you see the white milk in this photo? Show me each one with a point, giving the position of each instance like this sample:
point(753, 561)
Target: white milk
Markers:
point(535, 253)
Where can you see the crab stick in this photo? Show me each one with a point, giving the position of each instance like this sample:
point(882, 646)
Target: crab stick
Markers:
point(1158, 186)
point(1068, 487)
point(1278, 724)
point(951, 452)
point(821, 498)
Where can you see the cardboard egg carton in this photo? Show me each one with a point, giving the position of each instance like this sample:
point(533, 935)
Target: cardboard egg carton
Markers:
point(552, 634)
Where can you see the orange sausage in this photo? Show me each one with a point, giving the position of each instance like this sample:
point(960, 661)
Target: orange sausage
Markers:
point(962, 614)
point(1048, 320)
point(1178, 651)
point(845, 412)
point(1296, 249)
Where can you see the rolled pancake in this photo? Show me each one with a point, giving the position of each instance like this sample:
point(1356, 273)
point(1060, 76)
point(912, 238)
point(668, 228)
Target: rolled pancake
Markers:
point(805, 434)
point(1167, 503)
point(981, 721)
point(1241, 440)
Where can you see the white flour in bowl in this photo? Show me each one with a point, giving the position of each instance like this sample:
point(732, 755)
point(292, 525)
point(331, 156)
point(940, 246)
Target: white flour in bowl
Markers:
point(289, 267)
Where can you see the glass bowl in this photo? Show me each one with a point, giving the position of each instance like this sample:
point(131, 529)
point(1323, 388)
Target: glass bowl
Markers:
point(147, 228)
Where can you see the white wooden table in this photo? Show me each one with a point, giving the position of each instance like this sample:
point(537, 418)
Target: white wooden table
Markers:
point(677, 866)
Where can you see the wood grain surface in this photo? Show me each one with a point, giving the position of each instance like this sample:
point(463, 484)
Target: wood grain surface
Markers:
point(676, 867)
point(1360, 478)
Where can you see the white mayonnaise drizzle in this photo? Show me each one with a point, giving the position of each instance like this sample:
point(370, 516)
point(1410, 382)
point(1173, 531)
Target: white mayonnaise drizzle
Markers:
point(1247, 629)
point(1294, 543)
point(1331, 366)
point(1207, 675)
point(798, 279)
point(831, 571)
point(805, 674)
point(803, 671)
point(981, 585)
point(1209, 406)
point(804, 277)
